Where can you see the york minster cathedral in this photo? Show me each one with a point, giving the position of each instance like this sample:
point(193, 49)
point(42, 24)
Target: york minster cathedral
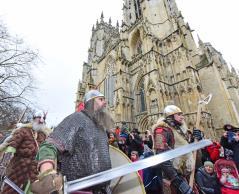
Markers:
point(152, 60)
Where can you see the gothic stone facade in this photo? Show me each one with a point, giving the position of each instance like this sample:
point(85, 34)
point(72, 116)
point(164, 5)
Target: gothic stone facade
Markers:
point(153, 61)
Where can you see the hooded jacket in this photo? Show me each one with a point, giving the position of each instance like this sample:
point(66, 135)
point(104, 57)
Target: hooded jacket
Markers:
point(207, 182)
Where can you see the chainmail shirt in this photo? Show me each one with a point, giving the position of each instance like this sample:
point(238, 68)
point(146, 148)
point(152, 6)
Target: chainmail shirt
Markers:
point(83, 146)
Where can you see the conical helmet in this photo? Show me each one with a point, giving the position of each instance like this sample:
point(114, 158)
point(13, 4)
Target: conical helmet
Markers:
point(92, 94)
point(40, 114)
point(171, 110)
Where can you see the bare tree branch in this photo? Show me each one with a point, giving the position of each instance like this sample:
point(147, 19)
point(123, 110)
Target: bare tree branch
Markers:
point(16, 77)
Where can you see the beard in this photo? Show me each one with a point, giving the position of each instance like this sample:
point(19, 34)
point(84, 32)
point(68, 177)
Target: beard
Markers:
point(184, 127)
point(103, 119)
point(38, 127)
point(179, 125)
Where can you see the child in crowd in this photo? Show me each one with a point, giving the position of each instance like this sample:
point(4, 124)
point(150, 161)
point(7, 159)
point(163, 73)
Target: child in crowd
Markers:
point(228, 179)
point(134, 156)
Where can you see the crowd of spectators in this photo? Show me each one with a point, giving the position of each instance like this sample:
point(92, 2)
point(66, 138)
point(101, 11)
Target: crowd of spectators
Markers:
point(209, 179)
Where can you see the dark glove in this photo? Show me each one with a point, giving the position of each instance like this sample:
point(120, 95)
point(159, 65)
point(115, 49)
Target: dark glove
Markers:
point(7, 156)
point(2, 172)
point(197, 134)
point(228, 154)
point(4, 163)
point(48, 182)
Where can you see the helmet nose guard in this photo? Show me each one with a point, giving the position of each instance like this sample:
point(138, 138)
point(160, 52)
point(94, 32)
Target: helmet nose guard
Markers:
point(40, 114)
point(92, 94)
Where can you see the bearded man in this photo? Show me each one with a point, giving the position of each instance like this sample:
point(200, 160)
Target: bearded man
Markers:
point(80, 144)
point(18, 162)
point(169, 133)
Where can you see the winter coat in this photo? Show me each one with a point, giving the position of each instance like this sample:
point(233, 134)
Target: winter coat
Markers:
point(135, 144)
point(214, 151)
point(234, 146)
point(207, 183)
point(149, 141)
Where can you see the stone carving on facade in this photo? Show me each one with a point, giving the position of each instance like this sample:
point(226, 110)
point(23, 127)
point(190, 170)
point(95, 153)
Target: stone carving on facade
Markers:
point(156, 60)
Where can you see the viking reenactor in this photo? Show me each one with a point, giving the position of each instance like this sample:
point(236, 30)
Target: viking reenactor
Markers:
point(78, 147)
point(20, 148)
point(169, 133)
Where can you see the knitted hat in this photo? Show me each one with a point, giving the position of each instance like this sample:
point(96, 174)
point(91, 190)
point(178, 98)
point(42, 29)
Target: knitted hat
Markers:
point(208, 163)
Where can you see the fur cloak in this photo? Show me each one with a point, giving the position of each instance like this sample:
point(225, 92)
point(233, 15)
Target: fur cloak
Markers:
point(184, 164)
point(23, 166)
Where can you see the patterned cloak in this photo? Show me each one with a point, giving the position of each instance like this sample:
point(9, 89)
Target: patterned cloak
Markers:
point(23, 166)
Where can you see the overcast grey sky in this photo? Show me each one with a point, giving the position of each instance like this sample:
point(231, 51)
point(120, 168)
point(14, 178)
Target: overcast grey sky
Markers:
point(61, 31)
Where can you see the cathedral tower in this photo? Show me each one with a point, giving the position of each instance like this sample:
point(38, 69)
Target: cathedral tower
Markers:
point(153, 61)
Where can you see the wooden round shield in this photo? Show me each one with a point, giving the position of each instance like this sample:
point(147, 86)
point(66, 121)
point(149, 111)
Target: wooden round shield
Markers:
point(127, 184)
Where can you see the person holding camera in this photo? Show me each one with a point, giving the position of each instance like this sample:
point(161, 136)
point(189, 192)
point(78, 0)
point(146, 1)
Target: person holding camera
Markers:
point(134, 142)
point(148, 139)
point(230, 140)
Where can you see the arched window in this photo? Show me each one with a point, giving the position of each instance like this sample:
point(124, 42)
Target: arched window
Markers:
point(138, 47)
point(136, 43)
point(142, 97)
point(137, 9)
point(109, 83)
